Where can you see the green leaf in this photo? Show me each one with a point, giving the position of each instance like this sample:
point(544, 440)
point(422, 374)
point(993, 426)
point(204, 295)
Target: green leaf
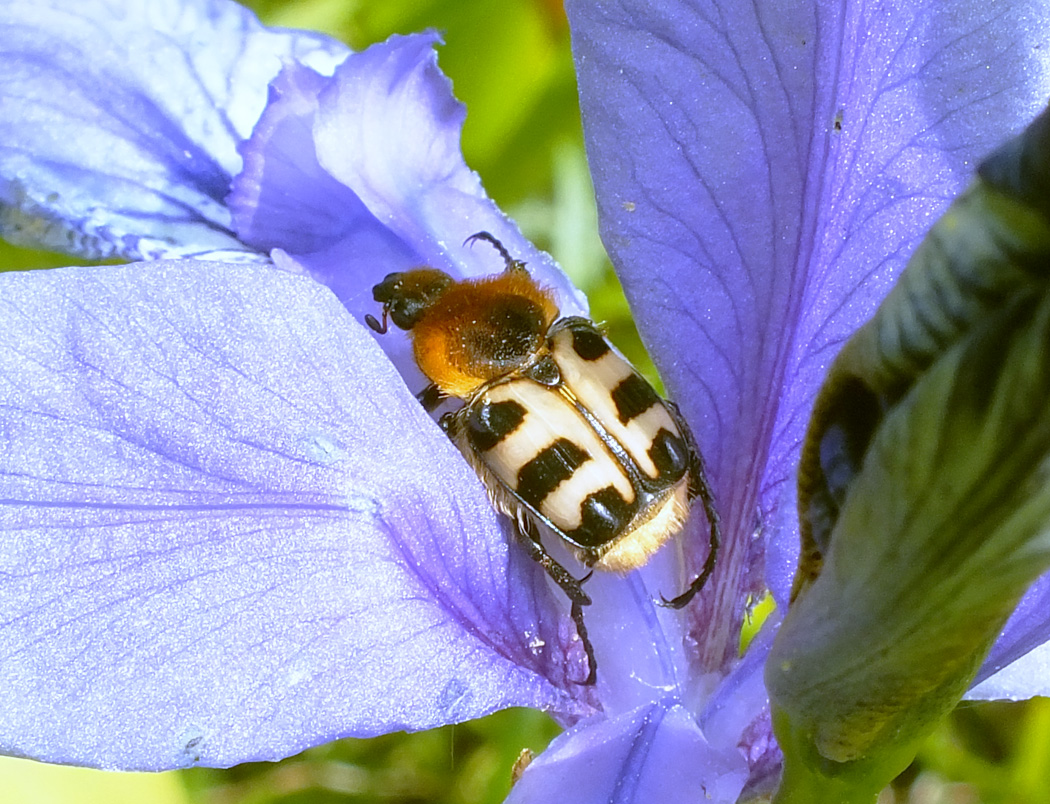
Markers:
point(923, 490)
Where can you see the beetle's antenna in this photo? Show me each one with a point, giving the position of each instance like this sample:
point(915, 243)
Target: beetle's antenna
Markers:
point(511, 263)
point(374, 324)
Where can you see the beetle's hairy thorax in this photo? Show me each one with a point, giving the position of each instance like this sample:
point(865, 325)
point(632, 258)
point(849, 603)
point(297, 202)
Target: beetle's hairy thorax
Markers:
point(482, 330)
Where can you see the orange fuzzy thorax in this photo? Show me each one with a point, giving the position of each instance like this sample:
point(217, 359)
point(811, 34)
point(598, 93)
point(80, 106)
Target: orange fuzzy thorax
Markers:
point(480, 329)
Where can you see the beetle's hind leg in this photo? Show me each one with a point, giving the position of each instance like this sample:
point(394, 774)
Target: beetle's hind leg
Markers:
point(698, 487)
point(573, 588)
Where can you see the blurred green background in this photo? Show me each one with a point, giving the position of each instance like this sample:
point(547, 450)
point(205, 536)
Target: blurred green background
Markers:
point(511, 65)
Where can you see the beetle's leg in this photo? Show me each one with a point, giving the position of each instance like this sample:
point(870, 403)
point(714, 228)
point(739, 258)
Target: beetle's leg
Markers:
point(537, 552)
point(698, 487)
point(510, 263)
point(430, 397)
point(530, 540)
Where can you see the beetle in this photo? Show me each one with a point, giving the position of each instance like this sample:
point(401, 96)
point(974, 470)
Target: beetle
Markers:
point(563, 431)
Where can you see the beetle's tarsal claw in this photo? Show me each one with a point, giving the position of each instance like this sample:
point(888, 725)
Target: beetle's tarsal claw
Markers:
point(684, 599)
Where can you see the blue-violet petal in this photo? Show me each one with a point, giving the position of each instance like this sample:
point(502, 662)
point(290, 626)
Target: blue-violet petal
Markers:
point(229, 532)
point(122, 119)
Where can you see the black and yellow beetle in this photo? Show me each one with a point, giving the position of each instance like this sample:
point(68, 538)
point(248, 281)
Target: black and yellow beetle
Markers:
point(565, 434)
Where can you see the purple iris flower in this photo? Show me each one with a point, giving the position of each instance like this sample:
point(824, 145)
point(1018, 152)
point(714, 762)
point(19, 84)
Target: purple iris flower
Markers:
point(229, 531)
